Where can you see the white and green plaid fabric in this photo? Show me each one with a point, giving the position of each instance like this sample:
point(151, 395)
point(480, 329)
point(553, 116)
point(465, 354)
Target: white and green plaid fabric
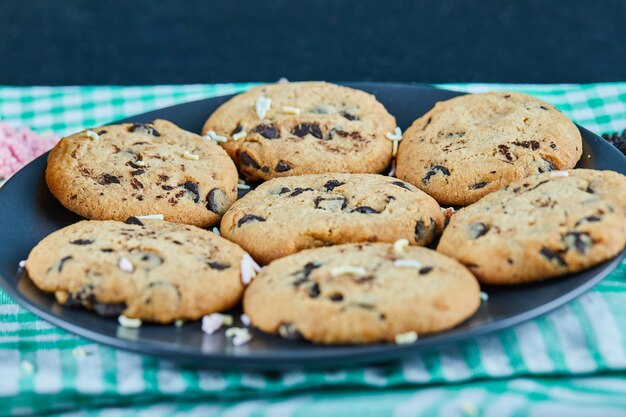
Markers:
point(572, 360)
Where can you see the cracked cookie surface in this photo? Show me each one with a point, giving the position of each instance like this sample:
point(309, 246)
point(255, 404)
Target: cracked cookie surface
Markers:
point(152, 270)
point(286, 215)
point(139, 169)
point(543, 226)
point(361, 293)
point(310, 128)
point(469, 146)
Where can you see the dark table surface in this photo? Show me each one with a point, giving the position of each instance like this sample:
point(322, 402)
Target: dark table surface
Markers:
point(147, 42)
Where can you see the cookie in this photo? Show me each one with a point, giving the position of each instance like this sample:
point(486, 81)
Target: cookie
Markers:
point(118, 171)
point(541, 227)
point(286, 215)
point(472, 145)
point(303, 128)
point(148, 269)
point(361, 293)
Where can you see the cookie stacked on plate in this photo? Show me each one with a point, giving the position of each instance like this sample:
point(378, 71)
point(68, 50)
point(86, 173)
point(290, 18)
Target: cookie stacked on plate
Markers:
point(343, 245)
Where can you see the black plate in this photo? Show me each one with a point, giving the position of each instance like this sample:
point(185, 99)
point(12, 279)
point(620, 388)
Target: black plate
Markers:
point(28, 212)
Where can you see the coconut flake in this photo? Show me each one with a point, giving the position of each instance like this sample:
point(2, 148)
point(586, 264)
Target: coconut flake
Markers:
point(126, 265)
point(399, 246)
point(212, 323)
point(395, 137)
point(140, 163)
point(408, 263)
point(179, 323)
point(215, 137)
point(249, 268)
point(190, 156)
point(216, 231)
point(22, 264)
point(239, 335)
point(357, 271)
point(406, 338)
point(291, 110)
point(484, 296)
point(263, 105)
point(128, 322)
point(150, 217)
point(559, 174)
point(245, 320)
point(92, 135)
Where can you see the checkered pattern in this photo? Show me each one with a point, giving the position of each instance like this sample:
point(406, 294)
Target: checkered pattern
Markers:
point(573, 358)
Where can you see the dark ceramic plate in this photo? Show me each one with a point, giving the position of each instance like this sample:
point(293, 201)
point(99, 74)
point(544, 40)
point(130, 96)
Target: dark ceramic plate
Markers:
point(28, 212)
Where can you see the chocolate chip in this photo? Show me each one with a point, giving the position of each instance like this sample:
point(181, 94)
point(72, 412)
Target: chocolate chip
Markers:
point(425, 233)
point(236, 130)
point(543, 107)
point(532, 144)
point(284, 190)
point(82, 242)
point(402, 184)
point(425, 270)
point(304, 273)
point(267, 131)
point(504, 150)
point(314, 290)
point(349, 116)
point(144, 128)
point(507, 96)
point(164, 177)
point(551, 256)
point(63, 261)
point(282, 166)
point(134, 220)
point(580, 241)
point(479, 185)
point(332, 184)
point(304, 129)
point(364, 306)
point(217, 265)
point(299, 191)
point(478, 229)
point(331, 204)
point(132, 165)
point(106, 179)
point(553, 145)
point(217, 201)
point(109, 309)
point(336, 297)
point(248, 161)
point(167, 187)
point(265, 169)
point(588, 219)
point(102, 132)
point(136, 184)
point(590, 190)
point(106, 250)
point(137, 172)
point(433, 171)
point(192, 188)
point(365, 210)
point(249, 218)
point(548, 167)
point(289, 331)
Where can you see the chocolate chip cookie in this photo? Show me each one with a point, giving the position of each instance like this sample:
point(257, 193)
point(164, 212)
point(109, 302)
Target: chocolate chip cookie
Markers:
point(540, 227)
point(286, 215)
point(303, 128)
point(361, 293)
point(148, 269)
point(118, 171)
point(472, 145)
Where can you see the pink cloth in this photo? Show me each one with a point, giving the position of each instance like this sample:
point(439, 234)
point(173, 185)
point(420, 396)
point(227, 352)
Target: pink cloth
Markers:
point(19, 146)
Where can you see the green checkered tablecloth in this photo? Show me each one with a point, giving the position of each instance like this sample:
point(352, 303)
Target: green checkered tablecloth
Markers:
point(572, 361)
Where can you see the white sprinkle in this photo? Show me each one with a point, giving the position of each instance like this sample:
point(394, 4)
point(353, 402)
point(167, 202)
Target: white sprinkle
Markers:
point(27, 367)
point(190, 156)
point(22, 264)
point(245, 320)
point(240, 335)
point(409, 263)
point(79, 352)
point(92, 135)
point(469, 409)
point(399, 246)
point(151, 217)
point(228, 320)
point(448, 211)
point(125, 265)
point(216, 231)
point(179, 323)
point(212, 323)
point(215, 137)
point(406, 338)
point(395, 137)
point(484, 296)
point(128, 322)
point(249, 268)
point(291, 110)
point(239, 135)
point(559, 174)
point(243, 186)
point(263, 106)
point(392, 170)
point(140, 163)
point(357, 271)
point(282, 80)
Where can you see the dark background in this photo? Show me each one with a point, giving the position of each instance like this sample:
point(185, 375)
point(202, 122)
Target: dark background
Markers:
point(152, 42)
